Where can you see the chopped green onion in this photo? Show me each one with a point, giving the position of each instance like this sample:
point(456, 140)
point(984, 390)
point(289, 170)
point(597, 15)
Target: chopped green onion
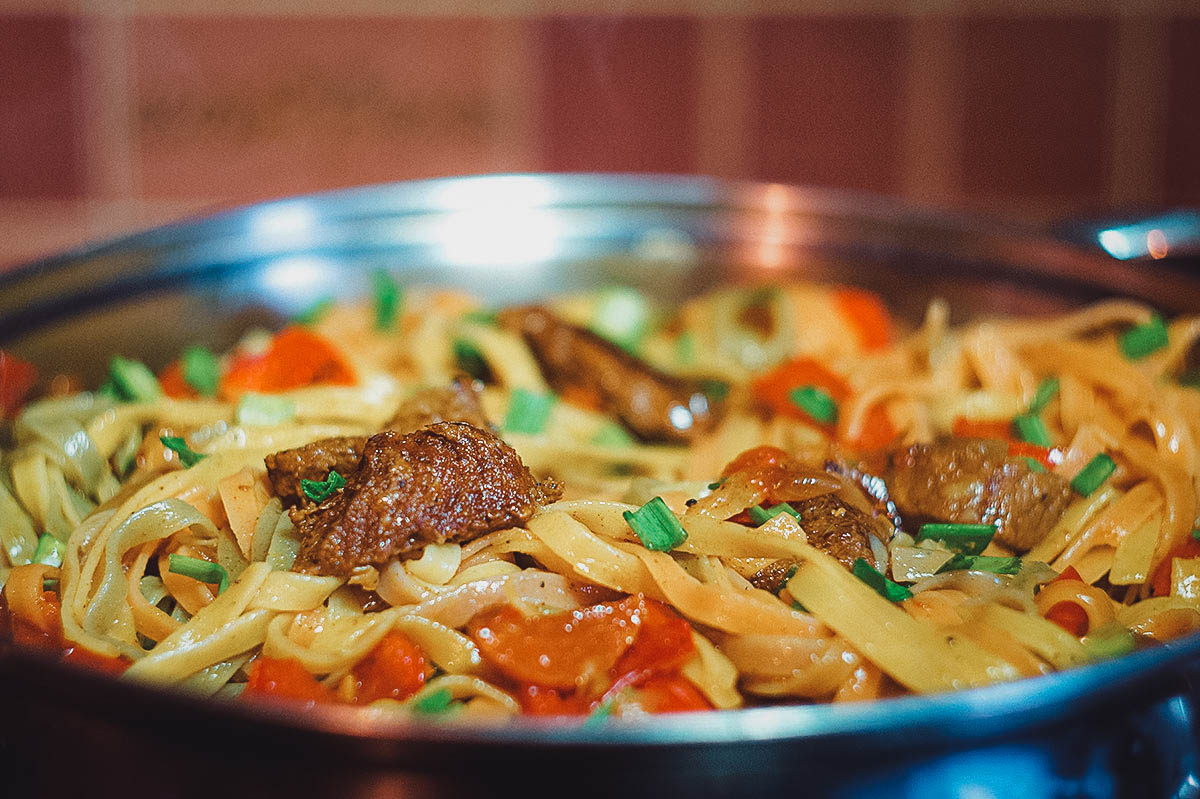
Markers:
point(202, 570)
point(264, 409)
point(1091, 476)
point(622, 316)
point(320, 490)
point(1190, 378)
point(816, 402)
point(470, 359)
point(49, 551)
point(1109, 641)
point(656, 526)
point(612, 435)
point(892, 592)
point(715, 390)
point(125, 458)
point(433, 703)
point(1196, 534)
point(1034, 465)
point(481, 317)
point(187, 456)
point(685, 348)
point(760, 515)
point(133, 380)
point(313, 313)
point(388, 297)
point(787, 578)
point(968, 539)
point(980, 563)
point(797, 606)
point(1032, 430)
point(1046, 391)
point(1144, 339)
point(601, 714)
point(528, 412)
point(201, 370)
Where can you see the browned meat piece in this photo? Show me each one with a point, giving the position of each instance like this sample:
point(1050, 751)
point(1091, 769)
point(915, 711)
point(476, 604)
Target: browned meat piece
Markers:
point(458, 402)
point(837, 529)
point(654, 405)
point(449, 481)
point(312, 462)
point(774, 576)
point(974, 481)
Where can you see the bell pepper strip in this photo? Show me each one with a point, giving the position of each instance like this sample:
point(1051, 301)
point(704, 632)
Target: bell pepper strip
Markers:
point(1048, 458)
point(1069, 615)
point(774, 389)
point(1160, 580)
point(562, 650)
point(87, 659)
point(17, 378)
point(868, 317)
point(297, 357)
point(671, 694)
point(664, 644)
point(284, 678)
point(395, 669)
point(982, 428)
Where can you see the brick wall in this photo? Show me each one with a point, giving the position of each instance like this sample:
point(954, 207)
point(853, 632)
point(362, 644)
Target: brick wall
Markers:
point(119, 114)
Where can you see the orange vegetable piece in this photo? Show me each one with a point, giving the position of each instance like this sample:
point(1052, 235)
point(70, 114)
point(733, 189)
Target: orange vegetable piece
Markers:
point(562, 650)
point(1070, 616)
point(1021, 449)
point(285, 678)
point(982, 428)
point(671, 694)
point(663, 645)
point(297, 357)
point(1160, 581)
point(538, 701)
point(16, 381)
point(173, 383)
point(867, 314)
point(395, 669)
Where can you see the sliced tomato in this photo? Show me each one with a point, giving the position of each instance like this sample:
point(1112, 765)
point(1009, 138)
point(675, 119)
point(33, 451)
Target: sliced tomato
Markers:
point(395, 669)
point(982, 428)
point(297, 357)
point(562, 650)
point(173, 383)
point(1160, 581)
point(1043, 455)
point(663, 645)
point(538, 701)
point(671, 694)
point(867, 315)
point(1070, 616)
point(285, 679)
point(17, 378)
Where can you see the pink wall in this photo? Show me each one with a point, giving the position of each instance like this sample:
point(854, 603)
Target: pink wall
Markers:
point(123, 115)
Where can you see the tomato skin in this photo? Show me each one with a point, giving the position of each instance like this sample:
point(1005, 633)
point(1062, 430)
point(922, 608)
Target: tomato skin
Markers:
point(17, 378)
point(663, 645)
point(867, 314)
point(538, 701)
point(285, 679)
point(1160, 581)
point(395, 669)
point(561, 650)
point(173, 383)
point(297, 357)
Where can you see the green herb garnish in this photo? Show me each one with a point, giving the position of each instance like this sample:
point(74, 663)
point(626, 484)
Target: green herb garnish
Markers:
point(528, 412)
point(1090, 477)
point(1142, 340)
point(199, 569)
point(816, 402)
point(968, 539)
point(187, 456)
point(1032, 430)
point(320, 490)
point(201, 370)
point(656, 526)
point(433, 703)
point(132, 381)
point(470, 359)
point(892, 592)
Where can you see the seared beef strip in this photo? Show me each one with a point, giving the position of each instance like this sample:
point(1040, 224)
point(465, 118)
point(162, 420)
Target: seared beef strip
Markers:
point(774, 576)
point(312, 462)
point(837, 529)
point(447, 482)
point(654, 405)
point(974, 481)
point(459, 402)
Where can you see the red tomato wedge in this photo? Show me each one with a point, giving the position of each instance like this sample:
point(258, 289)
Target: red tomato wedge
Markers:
point(774, 390)
point(671, 694)
point(285, 679)
point(538, 701)
point(16, 381)
point(1160, 580)
point(297, 357)
point(663, 645)
point(562, 650)
point(395, 669)
point(867, 314)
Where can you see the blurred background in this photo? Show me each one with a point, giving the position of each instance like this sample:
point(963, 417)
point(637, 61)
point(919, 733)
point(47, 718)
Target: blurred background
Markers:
point(121, 114)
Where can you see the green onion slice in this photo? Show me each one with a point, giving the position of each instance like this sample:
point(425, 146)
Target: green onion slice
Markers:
point(1190, 378)
point(760, 515)
point(1034, 465)
point(433, 703)
point(1091, 477)
point(187, 456)
point(601, 714)
point(656, 526)
point(1196, 534)
point(264, 409)
point(199, 569)
point(967, 539)
point(612, 435)
point(387, 297)
point(528, 412)
point(470, 359)
point(1144, 339)
point(49, 551)
point(483, 316)
point(892, 592)
point(622, 316)
point(1046, 391)
point(816, 402)
point(715, 390)
point(685, 348)
point(313, 313)
point(201, 370)
point(981, 563)
point(1032, 430)
point(132, 380)
point(320, 490)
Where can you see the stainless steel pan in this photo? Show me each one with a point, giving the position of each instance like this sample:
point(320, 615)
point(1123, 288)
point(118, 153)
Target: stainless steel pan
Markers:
point(1121, 728)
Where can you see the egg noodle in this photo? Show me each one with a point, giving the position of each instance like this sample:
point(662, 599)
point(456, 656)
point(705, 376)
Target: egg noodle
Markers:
point(87, 481)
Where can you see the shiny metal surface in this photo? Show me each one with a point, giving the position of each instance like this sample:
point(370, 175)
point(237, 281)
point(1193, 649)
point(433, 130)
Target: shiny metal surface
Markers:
point(518, 237)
